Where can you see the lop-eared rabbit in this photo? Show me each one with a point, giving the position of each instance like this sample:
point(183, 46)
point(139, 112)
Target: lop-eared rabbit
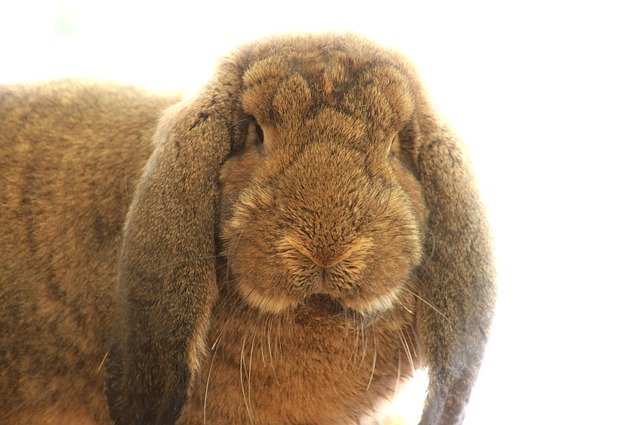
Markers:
point(287, 246)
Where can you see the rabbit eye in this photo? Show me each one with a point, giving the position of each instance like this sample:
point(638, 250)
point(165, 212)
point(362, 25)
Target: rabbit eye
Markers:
point(393, 148)
point(255, 136)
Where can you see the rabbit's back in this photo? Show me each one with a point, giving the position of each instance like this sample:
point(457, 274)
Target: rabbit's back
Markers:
point(70, 156)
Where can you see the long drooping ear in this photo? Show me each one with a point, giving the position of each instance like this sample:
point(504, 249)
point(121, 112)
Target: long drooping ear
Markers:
point(167, 266)
point(458, 280)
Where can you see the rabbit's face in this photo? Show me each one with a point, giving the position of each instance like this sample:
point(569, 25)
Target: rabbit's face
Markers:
point(320, 203)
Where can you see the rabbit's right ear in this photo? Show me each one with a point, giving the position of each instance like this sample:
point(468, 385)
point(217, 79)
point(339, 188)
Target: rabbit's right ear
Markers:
point(167, 266)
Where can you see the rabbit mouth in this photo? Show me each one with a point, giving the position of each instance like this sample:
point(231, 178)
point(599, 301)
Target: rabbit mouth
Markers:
point(321, 303)
point(368, 310)
point(316, 304)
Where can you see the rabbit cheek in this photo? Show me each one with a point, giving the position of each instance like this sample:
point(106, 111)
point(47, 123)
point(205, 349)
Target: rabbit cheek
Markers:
point(244, 221)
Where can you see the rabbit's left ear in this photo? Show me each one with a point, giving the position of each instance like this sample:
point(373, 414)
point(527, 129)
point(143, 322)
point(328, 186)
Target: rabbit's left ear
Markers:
point(459, 276)
point(167, 265)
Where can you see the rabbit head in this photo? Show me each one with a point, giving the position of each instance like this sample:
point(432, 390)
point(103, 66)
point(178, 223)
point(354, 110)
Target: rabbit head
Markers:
point(321, 199)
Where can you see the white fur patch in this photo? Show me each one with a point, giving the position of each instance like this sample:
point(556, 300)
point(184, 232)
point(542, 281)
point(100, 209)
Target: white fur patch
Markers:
point(266, 303)
point(377, 305)
point(406, 406)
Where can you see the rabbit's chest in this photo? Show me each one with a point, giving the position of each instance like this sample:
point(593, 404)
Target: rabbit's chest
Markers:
point(308, 372)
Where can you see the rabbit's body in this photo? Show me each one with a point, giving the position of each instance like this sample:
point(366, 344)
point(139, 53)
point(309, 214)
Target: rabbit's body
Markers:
point(284, 248)
point(70, 156)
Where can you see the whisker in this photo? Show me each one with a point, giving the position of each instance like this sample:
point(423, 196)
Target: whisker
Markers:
point(415, 342)
point(279, 338)
point(431, 306)
point(364, 346)
point(103, 360)
point(206, 392)
point(242, 379)
point(273, 369)
point(375, 357)
point(264, 361)
point(406, 349)
point(354, 353)
point(214, 350)
point(346, 317)
point(404, 306)
point(395, 392)
point(234, 309)
point(249, 375)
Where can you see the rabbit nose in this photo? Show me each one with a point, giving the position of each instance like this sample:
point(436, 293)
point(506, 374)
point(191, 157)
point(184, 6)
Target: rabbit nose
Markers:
point(323, 262)
point(320, 259)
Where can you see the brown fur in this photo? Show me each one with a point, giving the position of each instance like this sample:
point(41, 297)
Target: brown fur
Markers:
point(282, 248)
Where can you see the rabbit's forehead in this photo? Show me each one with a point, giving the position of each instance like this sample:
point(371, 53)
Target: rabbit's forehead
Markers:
point(294, 88)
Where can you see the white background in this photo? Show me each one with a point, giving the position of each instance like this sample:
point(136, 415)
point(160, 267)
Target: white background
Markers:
point(545, 94)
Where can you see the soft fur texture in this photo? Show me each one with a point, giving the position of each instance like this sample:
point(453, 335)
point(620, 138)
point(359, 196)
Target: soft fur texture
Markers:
point(283, 248)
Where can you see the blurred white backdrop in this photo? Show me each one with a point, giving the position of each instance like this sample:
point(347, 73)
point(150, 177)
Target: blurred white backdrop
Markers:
point(546, 96)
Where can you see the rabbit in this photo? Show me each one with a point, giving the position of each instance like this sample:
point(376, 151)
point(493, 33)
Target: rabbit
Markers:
point(286, 246)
